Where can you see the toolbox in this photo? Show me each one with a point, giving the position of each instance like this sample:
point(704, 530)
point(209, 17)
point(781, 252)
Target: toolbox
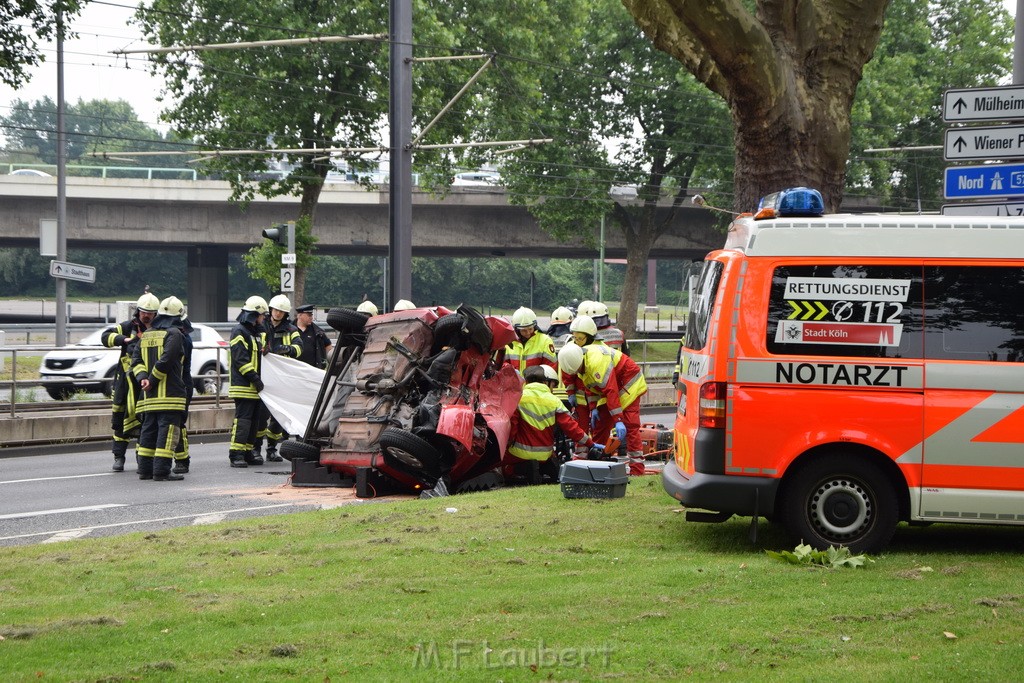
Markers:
point(593, 479)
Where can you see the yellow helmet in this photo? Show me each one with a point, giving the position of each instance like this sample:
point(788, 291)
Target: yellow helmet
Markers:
point(281, 303)
point(584, 324)
point(570, 358)
point(171, 306)
point(256, 303)
point(148, 302)
point(367, 307)
point(561, 316)
point(524, 317)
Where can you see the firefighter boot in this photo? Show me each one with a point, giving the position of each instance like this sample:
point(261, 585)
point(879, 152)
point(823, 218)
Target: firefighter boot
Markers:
point(252, 458)
point(181, 465)
point(120, 448)
point(238, 458)
point(256, 448)
point(272, 455)
point(636, 464)
point(145, 466)
point(162, 470)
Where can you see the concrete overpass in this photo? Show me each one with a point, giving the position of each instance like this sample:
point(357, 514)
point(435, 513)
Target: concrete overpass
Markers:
point(198, 216)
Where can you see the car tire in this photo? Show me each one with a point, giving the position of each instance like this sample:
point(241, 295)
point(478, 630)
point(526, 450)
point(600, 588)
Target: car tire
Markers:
point(448, 331)
point(299, 450)
point(346, 319)
point(840, 499)
point(60, 392)
point(107, 385)
point(408, 452)
point(207, 382)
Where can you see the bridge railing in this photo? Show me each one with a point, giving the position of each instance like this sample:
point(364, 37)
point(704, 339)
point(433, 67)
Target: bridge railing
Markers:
point(96, 171)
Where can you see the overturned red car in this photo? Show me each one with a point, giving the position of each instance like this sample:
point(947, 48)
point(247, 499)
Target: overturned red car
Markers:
point(412, 401)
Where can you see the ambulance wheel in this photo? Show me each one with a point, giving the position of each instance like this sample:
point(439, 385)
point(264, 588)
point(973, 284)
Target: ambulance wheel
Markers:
point(408, 451)
point(346, 319)
point(840, 500)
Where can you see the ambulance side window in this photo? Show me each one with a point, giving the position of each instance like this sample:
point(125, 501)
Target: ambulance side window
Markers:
point(974, 313)
point(867, 311)
point(703, 306)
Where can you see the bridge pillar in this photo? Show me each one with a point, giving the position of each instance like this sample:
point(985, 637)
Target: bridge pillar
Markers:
point(207, 279)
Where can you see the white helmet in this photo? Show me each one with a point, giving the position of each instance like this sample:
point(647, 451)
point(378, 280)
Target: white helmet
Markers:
point(256, 303)
point(367, 307)
point(570, 358)
point(561, 316)
point(584, 324)
point(404, 305)
point(148, 302)
point(281, 303)
point(584, 307)
point(597, 309)
point(524, 317)
point(549, 373)
point(171, 306)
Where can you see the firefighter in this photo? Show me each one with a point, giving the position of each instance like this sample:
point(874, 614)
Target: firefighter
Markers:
point(606, 373)
point(158, 365)
point(584, 333)
point(534, 424)
point(182, 461)
point(531, 347)
point(282, 338)
point(606, 332)
point(124, 336)
point(560, 319)
point(316, 345)
point(404, 305)
point(245, 384)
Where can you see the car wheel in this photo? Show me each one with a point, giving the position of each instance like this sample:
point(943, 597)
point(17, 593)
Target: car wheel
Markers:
point(346, 319)
point(107, 386)
point(840, 500)
point(448, 331)
point(300, 450)
point(207, 383)
point(60, 392)
point(408, 451)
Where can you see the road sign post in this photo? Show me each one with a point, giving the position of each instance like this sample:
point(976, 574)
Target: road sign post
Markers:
point(72, 271)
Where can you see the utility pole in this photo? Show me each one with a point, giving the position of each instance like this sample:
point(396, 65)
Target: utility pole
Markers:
point(60, 314)
point(400, 117)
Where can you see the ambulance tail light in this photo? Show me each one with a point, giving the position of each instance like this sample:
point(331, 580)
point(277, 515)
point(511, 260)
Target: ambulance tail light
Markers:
point(711, 407)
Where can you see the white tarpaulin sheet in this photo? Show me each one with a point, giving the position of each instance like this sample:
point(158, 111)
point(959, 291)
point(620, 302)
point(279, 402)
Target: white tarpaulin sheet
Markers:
point(289, 391)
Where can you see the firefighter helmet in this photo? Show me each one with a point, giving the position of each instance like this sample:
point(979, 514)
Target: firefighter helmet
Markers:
point(549, 373)
point(585, 307)
point(171, 306)
point(367, 307)
point(584, 324)
point(281, 303)
point(404, 305)
point(256, 303)
point(561, 316)
point(148, 302)
point(524, 317)
point(597, 309)
point(570, 358)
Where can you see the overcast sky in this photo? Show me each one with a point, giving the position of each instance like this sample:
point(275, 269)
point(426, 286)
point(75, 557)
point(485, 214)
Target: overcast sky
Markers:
point(91, 72)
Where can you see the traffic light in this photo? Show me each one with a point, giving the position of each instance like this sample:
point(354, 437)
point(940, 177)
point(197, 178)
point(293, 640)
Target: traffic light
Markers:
point(277, 233)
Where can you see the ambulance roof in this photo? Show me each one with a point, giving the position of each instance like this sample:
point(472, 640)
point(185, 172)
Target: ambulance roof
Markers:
point(915, 236)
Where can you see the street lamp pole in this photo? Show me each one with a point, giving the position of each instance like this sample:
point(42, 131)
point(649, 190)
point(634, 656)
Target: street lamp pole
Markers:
point(600, 265)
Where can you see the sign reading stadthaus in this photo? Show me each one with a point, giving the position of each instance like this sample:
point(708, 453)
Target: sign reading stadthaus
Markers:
point(983, 104)
point(72, 271)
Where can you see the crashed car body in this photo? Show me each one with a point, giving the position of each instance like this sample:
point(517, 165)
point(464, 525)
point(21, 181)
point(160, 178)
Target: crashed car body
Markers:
point(410, 399)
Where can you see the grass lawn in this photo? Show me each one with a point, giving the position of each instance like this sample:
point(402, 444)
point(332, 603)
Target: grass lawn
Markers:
point(517, 585)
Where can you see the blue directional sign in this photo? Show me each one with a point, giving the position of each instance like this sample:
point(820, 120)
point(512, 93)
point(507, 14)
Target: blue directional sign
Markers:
point(991, 180)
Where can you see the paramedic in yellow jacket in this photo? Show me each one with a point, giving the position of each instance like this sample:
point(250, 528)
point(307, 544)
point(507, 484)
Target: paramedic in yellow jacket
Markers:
point(605, 372)
point(531, 347)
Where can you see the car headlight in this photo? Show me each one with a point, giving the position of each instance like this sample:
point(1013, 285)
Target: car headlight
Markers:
point(91, 359)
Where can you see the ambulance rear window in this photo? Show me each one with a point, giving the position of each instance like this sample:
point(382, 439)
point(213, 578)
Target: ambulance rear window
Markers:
point(703, 306)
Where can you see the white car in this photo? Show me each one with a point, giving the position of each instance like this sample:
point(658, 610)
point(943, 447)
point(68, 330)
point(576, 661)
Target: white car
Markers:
point(89, 366)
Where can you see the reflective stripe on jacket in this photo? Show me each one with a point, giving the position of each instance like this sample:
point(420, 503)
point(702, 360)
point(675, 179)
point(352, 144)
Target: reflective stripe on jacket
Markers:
point(246, 355)
point(533, 425)
point(538, 350)
point(160, 358)
point(611, 374)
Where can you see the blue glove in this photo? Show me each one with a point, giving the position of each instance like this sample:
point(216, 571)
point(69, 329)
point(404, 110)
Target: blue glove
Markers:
point(593, 420)
point(596, 452)
point(571, 400)
point(620, 431)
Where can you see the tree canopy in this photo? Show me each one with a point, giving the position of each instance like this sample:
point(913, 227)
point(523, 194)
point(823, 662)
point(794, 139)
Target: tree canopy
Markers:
point(22, 24)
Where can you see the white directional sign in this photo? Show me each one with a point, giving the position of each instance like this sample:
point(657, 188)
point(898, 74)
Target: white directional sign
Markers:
point(984, 142)
point(1015, 209)
point(288, 259)
point(983, 104)
point(72, 271)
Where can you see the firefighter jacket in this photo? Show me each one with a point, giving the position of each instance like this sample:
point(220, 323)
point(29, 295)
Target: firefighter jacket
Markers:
point(610, 374)
point(160, 358)
point(613, 337)
point(283, 338)
point(246, 353)
point(114, 338)
point(533, 424)
point(537, 350)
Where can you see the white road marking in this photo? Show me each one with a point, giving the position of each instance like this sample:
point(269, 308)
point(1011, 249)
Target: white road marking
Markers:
point(72, 476)
point(148, 521)
point(59, 511)
point(66, 536)
point(209, 519)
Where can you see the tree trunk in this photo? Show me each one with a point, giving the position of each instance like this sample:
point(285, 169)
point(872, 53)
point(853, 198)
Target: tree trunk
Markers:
point(640, 237)
point(307, 207)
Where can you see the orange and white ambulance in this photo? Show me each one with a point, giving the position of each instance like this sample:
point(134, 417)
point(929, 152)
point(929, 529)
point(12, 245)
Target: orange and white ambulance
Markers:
point(843, 373)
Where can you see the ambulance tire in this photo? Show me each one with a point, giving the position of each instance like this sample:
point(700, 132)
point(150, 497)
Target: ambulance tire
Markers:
point(840, 500)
